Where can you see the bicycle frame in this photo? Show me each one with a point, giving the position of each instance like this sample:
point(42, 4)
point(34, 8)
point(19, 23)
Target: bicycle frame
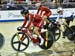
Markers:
point(61, 30)
point(27, 32)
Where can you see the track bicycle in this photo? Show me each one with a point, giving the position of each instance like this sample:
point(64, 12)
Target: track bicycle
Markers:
point(69, 31)
point(20, 40)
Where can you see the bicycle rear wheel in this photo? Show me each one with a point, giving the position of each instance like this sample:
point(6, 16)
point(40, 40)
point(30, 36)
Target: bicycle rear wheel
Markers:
point(48, 40)
point(18, 44)
point(57, 34)
point(70, 33)
point(55, 30)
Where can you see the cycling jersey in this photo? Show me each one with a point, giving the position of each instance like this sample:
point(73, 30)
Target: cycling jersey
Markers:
point(38, 21)
point(43, 10)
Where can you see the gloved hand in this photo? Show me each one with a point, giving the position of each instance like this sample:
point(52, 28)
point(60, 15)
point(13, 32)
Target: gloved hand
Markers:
point(19, 28)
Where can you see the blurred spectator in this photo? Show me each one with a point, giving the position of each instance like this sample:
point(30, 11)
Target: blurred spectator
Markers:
point(65, 3)
point(35, 1)
point(18, 4)
point(4, 2)
point(0, 4)
point(18, 1)
point(0, 1)
point(9, 6)
point(71, 0)
point(56, 3)
point(72, 3)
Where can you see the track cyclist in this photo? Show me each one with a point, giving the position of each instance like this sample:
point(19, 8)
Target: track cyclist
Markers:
point(34, 21)
point(64, 17)
point(43, 11)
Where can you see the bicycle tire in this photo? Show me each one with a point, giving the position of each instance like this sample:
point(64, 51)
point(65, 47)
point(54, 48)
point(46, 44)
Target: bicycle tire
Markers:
point(2, 40)
point(53, 28)
point(70, 34)
point(56, 34)
point(50, 40)
point(19, 43)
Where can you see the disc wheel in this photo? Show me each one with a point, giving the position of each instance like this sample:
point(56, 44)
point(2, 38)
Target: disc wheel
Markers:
point(18, 44)
point(48, 40)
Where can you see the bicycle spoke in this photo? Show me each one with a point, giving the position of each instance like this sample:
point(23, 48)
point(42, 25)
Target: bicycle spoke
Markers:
point(24, 44)
point(19, 46)
point(15, 42)
point(56, 33)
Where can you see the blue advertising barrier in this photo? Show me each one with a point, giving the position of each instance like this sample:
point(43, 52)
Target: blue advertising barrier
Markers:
point(14, 15)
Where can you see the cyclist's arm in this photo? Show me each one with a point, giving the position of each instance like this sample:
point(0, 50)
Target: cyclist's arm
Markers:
point(45, 18)
point(30, 20)
point(46, 15)
point(48, 12)
point(24, 23)
point(57, 19)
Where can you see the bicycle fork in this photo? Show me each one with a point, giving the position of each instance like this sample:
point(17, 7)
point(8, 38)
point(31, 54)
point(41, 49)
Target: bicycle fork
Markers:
point(20, 38)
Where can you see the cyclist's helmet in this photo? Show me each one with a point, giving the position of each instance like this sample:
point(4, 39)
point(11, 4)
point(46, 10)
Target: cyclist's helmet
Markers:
point(24, 11)
point(59, 9)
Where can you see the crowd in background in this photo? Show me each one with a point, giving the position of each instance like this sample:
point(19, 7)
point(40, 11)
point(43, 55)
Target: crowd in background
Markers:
point(19, 4)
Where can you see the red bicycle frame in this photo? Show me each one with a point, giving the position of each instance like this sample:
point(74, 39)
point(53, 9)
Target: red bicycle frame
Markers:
point(28, 33)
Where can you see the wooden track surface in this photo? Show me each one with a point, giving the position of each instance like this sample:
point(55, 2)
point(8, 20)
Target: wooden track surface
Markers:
point(9, 28)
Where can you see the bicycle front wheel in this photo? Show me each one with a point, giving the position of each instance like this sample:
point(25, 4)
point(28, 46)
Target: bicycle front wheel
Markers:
point(19, 41)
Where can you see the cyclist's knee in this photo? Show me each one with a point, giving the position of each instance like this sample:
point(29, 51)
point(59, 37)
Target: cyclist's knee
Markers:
point(35, 30)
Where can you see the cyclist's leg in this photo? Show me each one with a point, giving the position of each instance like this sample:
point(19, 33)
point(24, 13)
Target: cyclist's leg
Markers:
point(38, 34)
point(38, 27)
point(64, 23)
point(64, 26)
